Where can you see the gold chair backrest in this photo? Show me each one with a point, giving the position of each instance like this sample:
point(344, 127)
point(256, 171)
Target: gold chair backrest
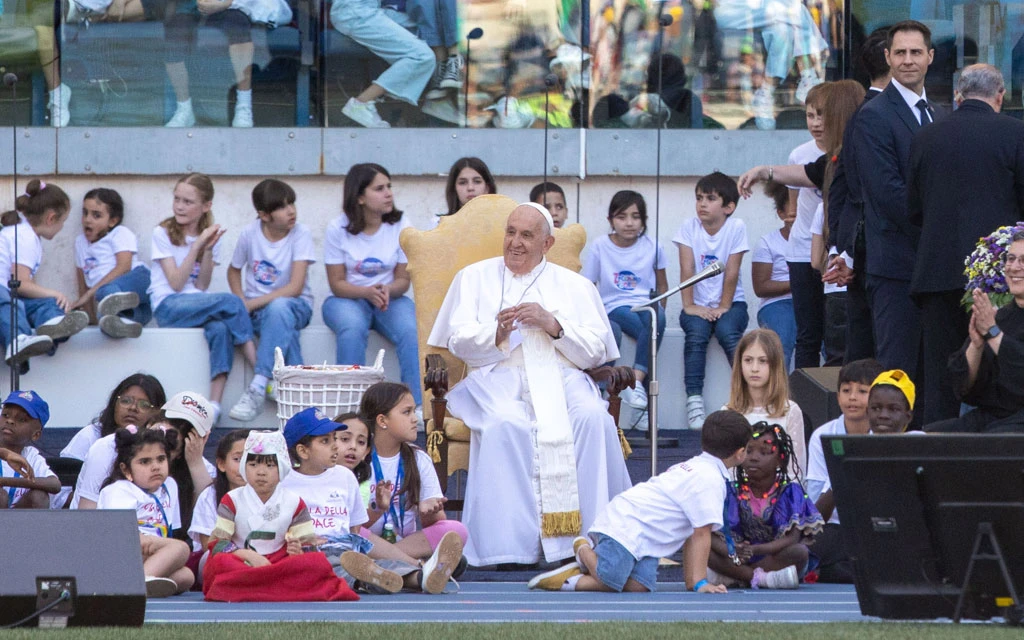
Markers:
point(473, 233)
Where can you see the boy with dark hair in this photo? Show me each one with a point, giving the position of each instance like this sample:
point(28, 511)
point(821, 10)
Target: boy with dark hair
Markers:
point(21, 424)
point(681, 506)
point(854, 388)
point(716, 305)
point(550, 195)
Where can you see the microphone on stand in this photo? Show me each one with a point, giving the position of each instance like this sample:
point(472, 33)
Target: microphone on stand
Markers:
point(474, 34)
point(11, 80)
point(710, 271)
point(550, 80)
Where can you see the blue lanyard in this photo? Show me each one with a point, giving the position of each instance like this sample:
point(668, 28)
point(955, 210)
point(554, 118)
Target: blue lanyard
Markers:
point(398, 518)
point(726, 531)
point(10, 490)
point(163, 514)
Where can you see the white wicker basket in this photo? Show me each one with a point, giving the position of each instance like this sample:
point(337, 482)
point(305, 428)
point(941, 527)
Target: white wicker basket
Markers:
point(334, 389)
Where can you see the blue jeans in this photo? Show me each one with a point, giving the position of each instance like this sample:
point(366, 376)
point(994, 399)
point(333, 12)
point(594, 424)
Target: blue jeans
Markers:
point(638, 327)
point(435, 21)
point(31, 312)
point(386, 34)
point(616, 565)
point(778, 316)
point(728, 329)
point(135, 281)
point(222, 316)
point(278, 325)
point(351, 321)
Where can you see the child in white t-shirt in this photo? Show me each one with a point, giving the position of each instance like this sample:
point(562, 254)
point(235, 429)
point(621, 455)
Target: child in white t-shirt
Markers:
point(769, 274)
point(367, 274)
point(680, 507)
point(186, 246)
point(22, 420)
point(268, 272)
point(112, 281)
point(716, 305)
point(834, 340)
point(628, 267)
point(40, 212)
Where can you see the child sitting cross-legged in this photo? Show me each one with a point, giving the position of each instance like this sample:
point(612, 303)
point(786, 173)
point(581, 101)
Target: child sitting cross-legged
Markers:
point(258, 549)
point(679, 507)
point(332, 495)
point(770, 520)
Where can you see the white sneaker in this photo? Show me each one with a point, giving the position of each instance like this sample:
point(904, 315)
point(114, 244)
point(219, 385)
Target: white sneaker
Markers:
point(118, 327)
point(362, 568)
point(364, 113)
point(64, 326)
point(695, 412)
point(444, 109)
point(438, 568)
point(554, 579)
point(636, 398)
point(249, 406)
point(786, 578)
point(453, 74)
point(808, 80)
point(243, 116)
point(160, 587)
point(764, 107)
point(115, 303)
point(183, 116)
point(60, 106)
point(29, 346)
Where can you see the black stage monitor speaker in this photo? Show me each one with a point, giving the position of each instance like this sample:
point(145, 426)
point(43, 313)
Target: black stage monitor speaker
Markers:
point(928, 518)
point(815, 391)
point(95, 555)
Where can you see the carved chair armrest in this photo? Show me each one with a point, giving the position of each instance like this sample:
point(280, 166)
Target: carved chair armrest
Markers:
point(615, 379)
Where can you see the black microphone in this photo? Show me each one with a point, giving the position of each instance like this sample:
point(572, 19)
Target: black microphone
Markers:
point(474, 34)
point(10, 79)
point(665, 19)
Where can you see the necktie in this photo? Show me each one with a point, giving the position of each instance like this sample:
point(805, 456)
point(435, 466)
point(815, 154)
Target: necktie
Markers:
point(926, 116)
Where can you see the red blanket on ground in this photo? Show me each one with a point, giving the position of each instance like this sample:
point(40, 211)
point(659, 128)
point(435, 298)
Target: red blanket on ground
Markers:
point(302, 578)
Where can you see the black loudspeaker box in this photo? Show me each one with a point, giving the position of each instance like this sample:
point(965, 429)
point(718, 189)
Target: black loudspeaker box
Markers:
point(815, 391)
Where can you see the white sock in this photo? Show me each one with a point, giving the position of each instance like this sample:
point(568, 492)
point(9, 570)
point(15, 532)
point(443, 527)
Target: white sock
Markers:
point(259, 383)
point(570, 584)
point(243, 98)
point(216, 407)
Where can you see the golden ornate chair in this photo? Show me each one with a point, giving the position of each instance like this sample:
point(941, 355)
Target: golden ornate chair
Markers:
point(476, 232)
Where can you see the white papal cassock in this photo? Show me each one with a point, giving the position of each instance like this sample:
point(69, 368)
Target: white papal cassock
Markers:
point(502, 508)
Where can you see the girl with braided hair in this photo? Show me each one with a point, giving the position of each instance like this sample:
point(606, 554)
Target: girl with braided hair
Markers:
point(768, 517)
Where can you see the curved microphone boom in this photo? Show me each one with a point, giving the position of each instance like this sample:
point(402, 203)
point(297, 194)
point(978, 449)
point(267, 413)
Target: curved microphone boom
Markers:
point(710, 271)
point(474, 34)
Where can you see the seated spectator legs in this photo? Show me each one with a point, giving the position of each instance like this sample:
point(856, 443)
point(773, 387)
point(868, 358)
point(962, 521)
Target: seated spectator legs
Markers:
point(437, 26)
point(278, 325)
point(697, 334)
point(778, 316)
point(180, 38)
point(638, 327)
point(135, 281)
point(386, 34)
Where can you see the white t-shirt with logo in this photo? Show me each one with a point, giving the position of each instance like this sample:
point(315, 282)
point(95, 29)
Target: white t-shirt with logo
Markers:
point(771, 249)
point(99, 258)
point(624, 275)
point(332, 498)
point(159, 287)
point(267, 265)
point(40, 470)
point(816, 225)
point(817, 472)
point(799, 249)
point(30, 249)
point(730, 239)
point(204, 515)
point(369, 260)
point(654, 518)
point(430, 487)
point(156, 513)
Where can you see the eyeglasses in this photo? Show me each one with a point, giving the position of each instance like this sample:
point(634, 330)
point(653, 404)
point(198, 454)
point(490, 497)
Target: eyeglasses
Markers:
point(128, 401)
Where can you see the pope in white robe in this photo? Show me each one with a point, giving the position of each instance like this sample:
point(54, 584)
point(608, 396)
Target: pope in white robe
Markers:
point(527, 328)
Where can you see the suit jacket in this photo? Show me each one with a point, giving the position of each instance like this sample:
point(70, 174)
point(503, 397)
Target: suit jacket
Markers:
point(966, 180)
point(846, 194)
point(882, 134)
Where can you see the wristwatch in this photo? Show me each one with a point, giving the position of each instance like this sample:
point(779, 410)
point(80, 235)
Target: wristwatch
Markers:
point(992, 332)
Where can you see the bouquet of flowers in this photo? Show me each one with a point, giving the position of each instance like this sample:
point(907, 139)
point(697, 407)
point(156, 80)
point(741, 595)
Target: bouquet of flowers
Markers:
point(984, 267)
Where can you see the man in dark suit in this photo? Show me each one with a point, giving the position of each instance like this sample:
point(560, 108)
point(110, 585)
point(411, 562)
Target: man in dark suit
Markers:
point(966, 180)
point(881, 136)
point(846, 214)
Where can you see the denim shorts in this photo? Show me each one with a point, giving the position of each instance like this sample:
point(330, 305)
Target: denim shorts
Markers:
point(615, 565)
point(337, 545)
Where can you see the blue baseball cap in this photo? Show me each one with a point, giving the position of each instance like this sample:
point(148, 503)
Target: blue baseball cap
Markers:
point(31, 403)
point(309, 422)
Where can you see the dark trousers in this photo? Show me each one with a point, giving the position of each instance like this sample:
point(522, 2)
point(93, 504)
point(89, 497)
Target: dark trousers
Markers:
point(834, 565)
point(943, 332)
point(979, 421)
point(860, 331)
point(835, 328)
point(897, 323)
point(809, 311)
